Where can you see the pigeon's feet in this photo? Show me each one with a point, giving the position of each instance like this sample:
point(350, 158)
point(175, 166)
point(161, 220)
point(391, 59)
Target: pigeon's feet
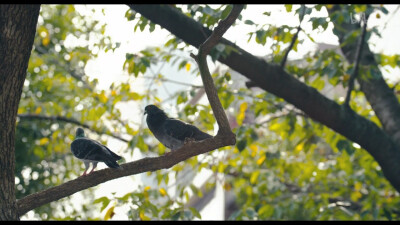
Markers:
point(167, 153)
point(188, 140)
point(85, 174)
point(92, 170)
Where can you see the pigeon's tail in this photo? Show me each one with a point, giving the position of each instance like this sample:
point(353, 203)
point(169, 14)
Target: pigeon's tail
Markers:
point(112, 164)
point(116, 157)
point(201, 136)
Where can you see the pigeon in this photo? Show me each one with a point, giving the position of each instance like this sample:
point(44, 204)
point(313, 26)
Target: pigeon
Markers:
point(91, 151)
point(172, 133)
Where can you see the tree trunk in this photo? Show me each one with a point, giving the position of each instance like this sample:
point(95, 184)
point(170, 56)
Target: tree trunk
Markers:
point(17, 32)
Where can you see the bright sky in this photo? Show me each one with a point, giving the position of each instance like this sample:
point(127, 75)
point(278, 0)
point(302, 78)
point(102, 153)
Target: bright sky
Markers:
point(107, 68)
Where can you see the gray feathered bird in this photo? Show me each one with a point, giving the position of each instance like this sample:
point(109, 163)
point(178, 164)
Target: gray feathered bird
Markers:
point(91, 151)
point(172, 133)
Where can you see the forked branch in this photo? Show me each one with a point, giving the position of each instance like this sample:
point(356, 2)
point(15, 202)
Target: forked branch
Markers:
point(208, 82)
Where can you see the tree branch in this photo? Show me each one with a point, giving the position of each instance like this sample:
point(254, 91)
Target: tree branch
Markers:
point(357, 60)
point(219, 31)
point(208, 82)
point(276, 116)
point(140, 166)
point(173, 81)
point(69, 120)
point(273, 79)
point(283, 62)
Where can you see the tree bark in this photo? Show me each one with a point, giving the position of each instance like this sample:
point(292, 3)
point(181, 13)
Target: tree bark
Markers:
point(274, 79)
point(17, 32)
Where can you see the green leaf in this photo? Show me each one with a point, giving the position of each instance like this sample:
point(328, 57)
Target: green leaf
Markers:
point(110, 213)
point(318, 7)
point(141, 144)
point(266, 211)
point(152, 27)
point(182, 64)
point(267, 13)
point(104, 200)
point(345, 145)
point(143, 23)
point(145, 61)
point(384, 10)
point(226, 11)
point(254, 176)
point(248, 22)
point(176, 216)
point(208, 10)
point(319, 21)
point(288, 7)
point(125, 197)
point(251, 213)
point(241, 144)
point(312, 39)
point(195, 212)
point(261, 37)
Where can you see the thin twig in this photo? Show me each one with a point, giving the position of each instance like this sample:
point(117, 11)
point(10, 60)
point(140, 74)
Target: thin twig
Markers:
point(173, 81)
point(282, 115)
point(68, 120)
point(283, 62)
point(391, 17)
point(357, 62)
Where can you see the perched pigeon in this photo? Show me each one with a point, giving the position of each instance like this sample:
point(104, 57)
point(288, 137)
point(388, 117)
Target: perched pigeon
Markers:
point(172, 133)
point(91, 151)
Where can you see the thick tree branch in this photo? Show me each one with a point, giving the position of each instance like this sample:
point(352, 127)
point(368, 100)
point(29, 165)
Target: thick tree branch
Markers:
point(140, 166)
point(273, 79)
point(357, 60)
point(69, 120)
point(208, 82)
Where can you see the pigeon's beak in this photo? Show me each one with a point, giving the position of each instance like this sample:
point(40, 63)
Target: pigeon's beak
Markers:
point(145, 112)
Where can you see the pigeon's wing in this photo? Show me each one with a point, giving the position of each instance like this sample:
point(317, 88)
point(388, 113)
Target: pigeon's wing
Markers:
point(87, 149)
point(178, 129)
point(115, 156)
